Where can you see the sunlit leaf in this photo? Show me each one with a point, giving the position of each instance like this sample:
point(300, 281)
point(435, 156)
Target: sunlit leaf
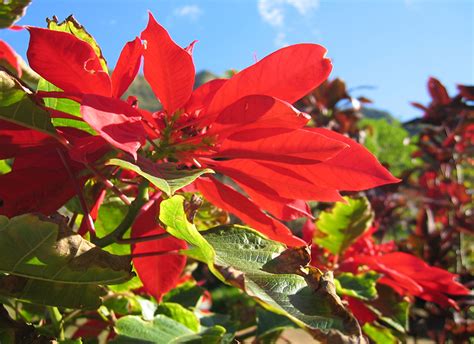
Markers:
point(172, 214)
point(361, 286)
point(339, 228)
point(162, 330)
point(380, 335)
point(65, 105)
point(182, 315)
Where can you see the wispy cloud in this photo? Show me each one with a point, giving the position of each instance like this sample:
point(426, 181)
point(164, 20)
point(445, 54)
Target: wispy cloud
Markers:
point(274, 12)
point(192, 12)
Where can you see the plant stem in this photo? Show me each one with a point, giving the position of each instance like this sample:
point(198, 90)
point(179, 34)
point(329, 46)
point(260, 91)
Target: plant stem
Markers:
point(57, 320)
point(133, 210)
point(143, 238)
point(82, 201)
point(109, 185)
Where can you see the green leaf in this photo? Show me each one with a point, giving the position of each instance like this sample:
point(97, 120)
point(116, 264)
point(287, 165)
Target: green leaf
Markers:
point(51, 293)
point(172, 214)
point(72, 26)
point(361, 286)
point(164, 176)
point(18, 106)
point(264, 269)
point(338, 229)
point(47, 250)
point(182, 315)
point(187, 294)
point(11, 11)
point(111, 213)
point(65, 105)
point(164, 330)
point(4, 167)
point(379, 335)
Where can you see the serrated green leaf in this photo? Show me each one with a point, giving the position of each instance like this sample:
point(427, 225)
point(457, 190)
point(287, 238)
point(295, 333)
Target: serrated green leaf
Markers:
point(164, 330)
point(339, 228)
point(72, 26)
point(164, 176)
point(18, 106)
point(11, 11)
point(45, 250)
point(379, 335)
point(361, 286)
point(51, 293)
point(182, 315)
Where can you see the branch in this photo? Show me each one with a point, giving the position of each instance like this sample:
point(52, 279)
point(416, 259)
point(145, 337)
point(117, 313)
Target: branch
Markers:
point(133, 211)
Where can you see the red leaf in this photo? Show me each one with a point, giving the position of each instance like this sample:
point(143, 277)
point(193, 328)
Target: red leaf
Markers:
point(225, 197)
point(37, 183)
point(287, 74)
point(287, 181)
point(159, 274)
point(168, 68)
point(405, 272)
point(438, 92)
point(202, 95)
point(67, 62)
point(116, 121)
point(15, 140)
point(353, 169)
point(293, 147)
point(8, 54)
point(257, 112)
point(127, 67)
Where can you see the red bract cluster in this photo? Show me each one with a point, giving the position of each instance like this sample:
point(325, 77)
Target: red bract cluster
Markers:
point(244, 128)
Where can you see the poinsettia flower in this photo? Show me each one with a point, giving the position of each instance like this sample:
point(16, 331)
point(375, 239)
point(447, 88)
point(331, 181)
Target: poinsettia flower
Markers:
point(246, 128)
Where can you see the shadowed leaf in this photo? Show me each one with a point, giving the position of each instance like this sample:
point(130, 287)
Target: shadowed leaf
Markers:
point(51, 293)
point(41, 249)
point(164, 176)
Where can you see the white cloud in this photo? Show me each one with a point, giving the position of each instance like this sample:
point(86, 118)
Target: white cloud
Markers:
point(273, 12)
point(190, 11)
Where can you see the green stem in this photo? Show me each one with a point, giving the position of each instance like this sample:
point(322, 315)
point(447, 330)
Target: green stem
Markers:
point(57, 320)
point(133, 210)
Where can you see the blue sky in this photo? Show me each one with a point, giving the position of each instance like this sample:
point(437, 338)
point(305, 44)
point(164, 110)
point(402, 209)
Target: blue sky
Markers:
point(391, 46)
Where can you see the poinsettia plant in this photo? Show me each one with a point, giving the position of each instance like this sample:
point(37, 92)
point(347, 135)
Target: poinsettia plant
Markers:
point(122, 222)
